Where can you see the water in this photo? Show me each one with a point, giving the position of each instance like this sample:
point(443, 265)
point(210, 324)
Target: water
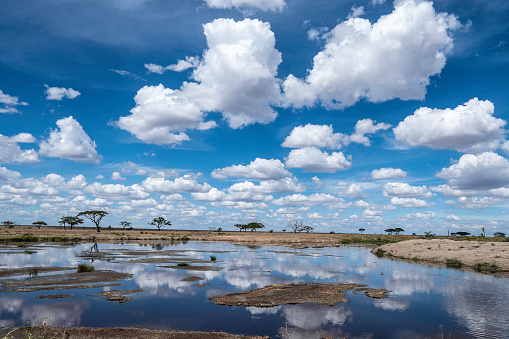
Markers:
point(424, 302)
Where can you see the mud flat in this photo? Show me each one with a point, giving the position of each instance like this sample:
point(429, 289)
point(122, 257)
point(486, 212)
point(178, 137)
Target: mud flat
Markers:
point(444, 251)
point(114, 333)
point(277, 294)
point(65, 281)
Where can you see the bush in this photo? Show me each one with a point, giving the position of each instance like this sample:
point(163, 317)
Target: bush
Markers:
point(379, 253)
point(85, 268)
point(453, 263)
point(415, 259)
point(182, 264)
point(486, 267)
point(213, 258)
point(25, 238)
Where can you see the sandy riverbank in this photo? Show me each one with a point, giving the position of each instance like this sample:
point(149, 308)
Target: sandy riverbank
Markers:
point(439, 251)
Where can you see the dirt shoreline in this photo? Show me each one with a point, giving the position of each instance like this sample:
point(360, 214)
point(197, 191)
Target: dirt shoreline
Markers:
point(462, 254)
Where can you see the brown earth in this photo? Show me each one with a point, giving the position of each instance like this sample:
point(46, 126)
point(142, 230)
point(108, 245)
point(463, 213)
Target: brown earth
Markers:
point(114, 333)
point(277, 294)
point(89, 234)
point(438, 251)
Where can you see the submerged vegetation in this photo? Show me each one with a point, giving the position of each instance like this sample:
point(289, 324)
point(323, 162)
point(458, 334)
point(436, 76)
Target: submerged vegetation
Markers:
point(486, 267)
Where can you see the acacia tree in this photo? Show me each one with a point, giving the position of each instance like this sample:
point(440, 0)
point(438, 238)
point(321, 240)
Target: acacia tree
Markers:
point(390, 230)
point(361, 230)
point(255, 225)
point(39, 224)
point(296, 226)
point(398, 230)
point(125, 224)
point(160, 222)
point(241, 227)
point(95, 216)
point(8, 223)
point(307, 229)
point(499, 235)
point(63, 221)
point(74, 221)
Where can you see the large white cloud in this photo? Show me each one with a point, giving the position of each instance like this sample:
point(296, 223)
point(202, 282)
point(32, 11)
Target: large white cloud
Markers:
point(71, 142)
point(366, 126)
point(484, 171)
point(312, 159)
point(58, 93)
point(320, 136)
point(264, 5)
point(470, 127)
point(7, 175)
point(117, 191)
point(392, 58)
point(186, 183)
point(387, 173)
point(261, 169)
point(237, 77)
point(402, 190)
point(317, 199)
point(11, 152)
point(9, 103)
point(411, 203)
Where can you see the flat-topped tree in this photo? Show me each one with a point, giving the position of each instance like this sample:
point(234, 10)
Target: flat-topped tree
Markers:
point(95, 216)
point(160, 222)
point(39, 224)
point(255, 225)
point(125, 224)
point(361, 230)
point(74, 221)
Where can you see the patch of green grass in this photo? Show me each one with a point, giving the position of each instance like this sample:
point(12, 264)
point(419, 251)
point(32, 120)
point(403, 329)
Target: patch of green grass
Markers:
point(486, 267)
point(182, 264)
point(379, 252)
point(415, 259)
point(213, 258)
point(85, 268)
point(24, 238)
point(453, 263)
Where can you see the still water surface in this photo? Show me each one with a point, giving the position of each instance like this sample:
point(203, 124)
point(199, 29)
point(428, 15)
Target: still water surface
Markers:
point(423, 301)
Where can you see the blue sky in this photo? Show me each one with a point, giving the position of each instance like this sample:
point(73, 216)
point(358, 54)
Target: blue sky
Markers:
point(346, 115)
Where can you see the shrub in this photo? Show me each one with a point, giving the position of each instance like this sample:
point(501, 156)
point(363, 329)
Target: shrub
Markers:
point(379, 253)
point(25, 238)
point(453, 263)
point(85, 268)
point(415, 259)
point(486, 267)
point(33, 271)
point(182, 264)
point(213, 258)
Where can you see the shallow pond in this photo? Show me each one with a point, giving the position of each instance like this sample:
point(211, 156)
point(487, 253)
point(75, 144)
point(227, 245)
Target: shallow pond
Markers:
point(424, 302)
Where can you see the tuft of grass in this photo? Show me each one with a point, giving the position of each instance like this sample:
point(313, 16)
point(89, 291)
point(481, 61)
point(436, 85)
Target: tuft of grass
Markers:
point(82, 268)
point(486, 267)
point(32, 272)
point(415, 259)
point(213, 258)
point(24, 238)
point(379, 253)
point(182, 264)
point(453, 263)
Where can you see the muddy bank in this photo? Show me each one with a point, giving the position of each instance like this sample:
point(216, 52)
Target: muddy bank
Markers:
point(275, 295)
point(442, 251)
point(64, 281)
point(114, 333)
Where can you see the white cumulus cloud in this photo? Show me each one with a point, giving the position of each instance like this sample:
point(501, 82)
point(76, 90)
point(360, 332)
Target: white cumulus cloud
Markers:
point(311, 159)
point(388, 173)
point(243, 5)
point(402, 190)
point(379, 61)
point(11, 152)
point(261, 169)
point(320, 136)
point(412, 203)
point(58, 93)
point(470, 127)
point(71, 142)
point(236, 76)
point(9, 103)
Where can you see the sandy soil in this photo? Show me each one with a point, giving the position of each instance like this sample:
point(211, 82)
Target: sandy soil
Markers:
point(439, 251)
point(114, 333)
point(275, 295)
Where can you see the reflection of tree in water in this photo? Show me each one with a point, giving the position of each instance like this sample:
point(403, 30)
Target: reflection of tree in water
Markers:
point(158, 247)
